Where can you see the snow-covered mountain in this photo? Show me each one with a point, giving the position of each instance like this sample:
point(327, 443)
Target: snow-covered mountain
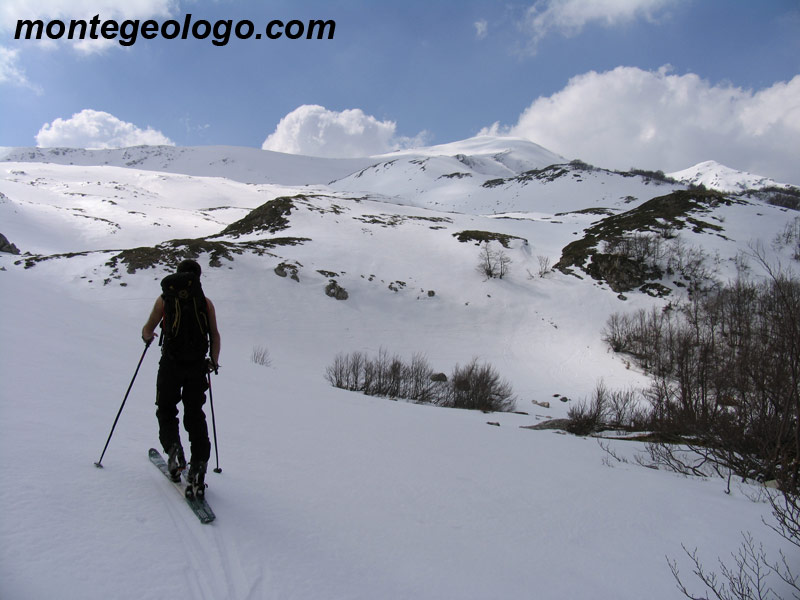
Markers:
point(715, 176)
point(244, 165)
point(325, 493)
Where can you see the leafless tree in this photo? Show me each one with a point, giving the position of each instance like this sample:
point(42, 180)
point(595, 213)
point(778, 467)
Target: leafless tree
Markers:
point(493, 263)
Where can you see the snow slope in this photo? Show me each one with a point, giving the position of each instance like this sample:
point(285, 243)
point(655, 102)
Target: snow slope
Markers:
point(245, 165)
point(327, 494)
point(719, 177)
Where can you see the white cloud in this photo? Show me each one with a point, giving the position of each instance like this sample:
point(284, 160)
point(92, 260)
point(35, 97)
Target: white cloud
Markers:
point(481, 29)
point(97, 129)
point(11, 10)
point(10, 71)
point(66, 10)
point(629, 117)
point(316, 131)
point(569, 17)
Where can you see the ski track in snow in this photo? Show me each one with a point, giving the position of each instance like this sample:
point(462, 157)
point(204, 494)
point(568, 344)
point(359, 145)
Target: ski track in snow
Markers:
point(212, 568)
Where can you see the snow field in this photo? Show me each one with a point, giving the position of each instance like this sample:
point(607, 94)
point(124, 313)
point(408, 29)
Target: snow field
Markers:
point(327, 494)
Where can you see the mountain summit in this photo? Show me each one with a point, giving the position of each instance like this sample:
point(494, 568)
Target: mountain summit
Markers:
point(713, 175)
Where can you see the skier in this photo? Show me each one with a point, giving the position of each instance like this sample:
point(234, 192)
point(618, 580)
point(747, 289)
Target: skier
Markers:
point(188, 321)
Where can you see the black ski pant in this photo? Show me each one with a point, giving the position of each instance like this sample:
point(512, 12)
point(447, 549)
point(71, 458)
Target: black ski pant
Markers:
point(182, 382)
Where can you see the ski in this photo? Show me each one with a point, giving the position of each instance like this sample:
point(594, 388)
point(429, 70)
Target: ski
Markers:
point(198, 505)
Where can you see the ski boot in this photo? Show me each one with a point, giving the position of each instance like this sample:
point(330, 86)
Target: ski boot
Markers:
point(176, 461)
point(196, 487)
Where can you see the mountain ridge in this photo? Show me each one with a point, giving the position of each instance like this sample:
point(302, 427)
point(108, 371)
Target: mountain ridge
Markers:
point(253, 165)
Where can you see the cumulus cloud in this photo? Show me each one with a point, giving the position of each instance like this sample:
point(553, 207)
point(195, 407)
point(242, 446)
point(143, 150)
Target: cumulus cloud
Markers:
point(316, 131)
point(97, 129)
point(569, 17)
point(629, 117)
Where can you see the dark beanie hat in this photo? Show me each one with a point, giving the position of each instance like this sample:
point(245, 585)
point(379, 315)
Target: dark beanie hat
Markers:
point(189, 266)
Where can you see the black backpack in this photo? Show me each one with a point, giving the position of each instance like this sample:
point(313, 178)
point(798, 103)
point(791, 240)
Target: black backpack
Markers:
point(185, 335)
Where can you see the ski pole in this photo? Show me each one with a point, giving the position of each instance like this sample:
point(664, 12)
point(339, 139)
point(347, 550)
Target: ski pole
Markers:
point(213, 423)
point(99, 464)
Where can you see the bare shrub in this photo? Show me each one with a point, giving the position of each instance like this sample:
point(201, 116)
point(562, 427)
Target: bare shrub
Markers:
point(753, 574)
point(475, 386)
point(790, 237)
point(421, 385)
point(544, 265)
point(479, 387)
point(493, 263)
point(625, 410)
point(725, 401)
point(691, 262)
point(260, 356)
point(618, 409)
point(336, 373)
point(587, 417)
point(640, 247)
point(725, 374)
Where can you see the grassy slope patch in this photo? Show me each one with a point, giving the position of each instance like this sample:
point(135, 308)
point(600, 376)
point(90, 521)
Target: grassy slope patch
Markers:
point(676, 210)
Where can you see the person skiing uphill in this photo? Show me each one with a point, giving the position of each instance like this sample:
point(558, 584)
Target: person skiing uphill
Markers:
point(189, 331)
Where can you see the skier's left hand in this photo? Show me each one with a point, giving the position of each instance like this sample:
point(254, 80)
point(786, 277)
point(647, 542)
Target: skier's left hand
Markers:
point(212, 367)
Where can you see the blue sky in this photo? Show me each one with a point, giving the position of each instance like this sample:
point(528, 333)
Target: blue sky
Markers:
point(618, 83)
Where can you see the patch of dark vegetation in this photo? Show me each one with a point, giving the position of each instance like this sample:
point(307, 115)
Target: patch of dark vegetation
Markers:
point(777, 196)
point(661, 216)
point(391, 220)
point(382, 220)
point(648, 176)
point(430, 219)
point(260, 247)
point(656, 290)
point(654, 214)
point(331, 208)
point(169, 254)
point(455, 176)
point(621, 272)
point(588, 211)
point(480, 237)
point(724, 371)
point(270, 216)
point(547, 175)
point(493, 183)
point(336, 291)
point(474, 386)
point(31, 260)
point(375, 168)
point(287, 269)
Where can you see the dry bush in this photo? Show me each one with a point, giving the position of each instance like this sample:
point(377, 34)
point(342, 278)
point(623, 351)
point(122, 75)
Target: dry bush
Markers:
point(474, 386)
